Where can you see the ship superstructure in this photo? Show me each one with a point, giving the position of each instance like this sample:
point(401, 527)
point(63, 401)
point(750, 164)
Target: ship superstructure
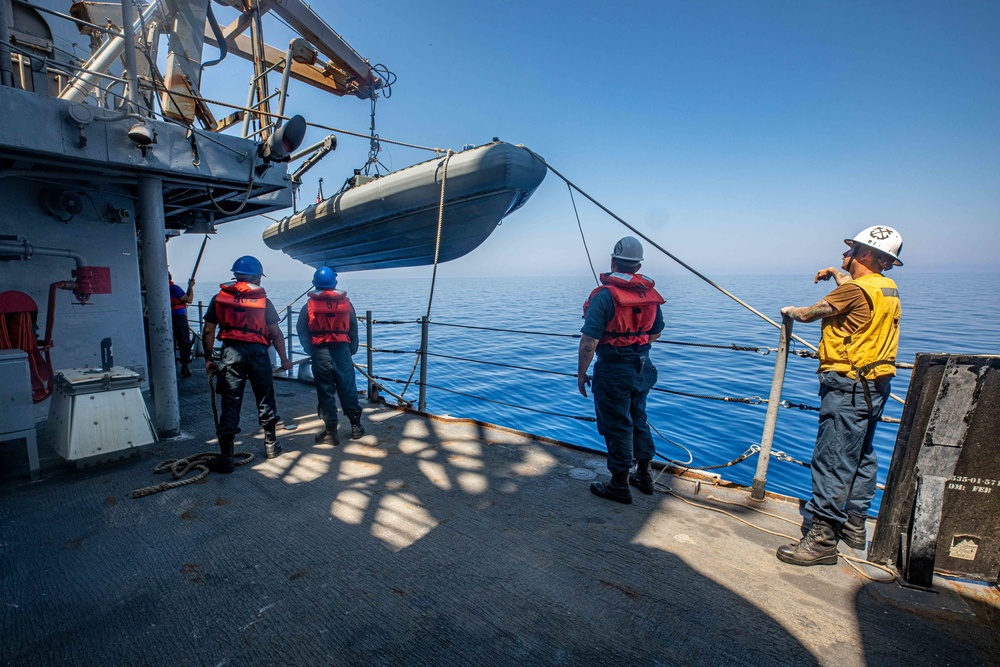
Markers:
point(108, 146)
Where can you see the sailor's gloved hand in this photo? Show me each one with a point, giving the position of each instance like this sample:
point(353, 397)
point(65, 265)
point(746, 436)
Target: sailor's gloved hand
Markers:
point(582, 382)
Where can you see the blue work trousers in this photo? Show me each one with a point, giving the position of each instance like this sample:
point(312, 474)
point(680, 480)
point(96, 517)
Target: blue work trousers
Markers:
point(182, 335)
point(620, 391)
point(333, 371)
point(238, 363)
point(844, 466)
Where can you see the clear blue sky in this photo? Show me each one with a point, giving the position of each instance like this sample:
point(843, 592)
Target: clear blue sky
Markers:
point(746, 137)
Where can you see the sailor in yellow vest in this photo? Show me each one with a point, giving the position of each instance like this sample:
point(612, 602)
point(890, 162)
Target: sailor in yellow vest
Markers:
point(857, 355)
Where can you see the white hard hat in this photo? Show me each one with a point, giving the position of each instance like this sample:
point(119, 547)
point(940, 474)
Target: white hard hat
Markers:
point(628, 249)
point(884, 239)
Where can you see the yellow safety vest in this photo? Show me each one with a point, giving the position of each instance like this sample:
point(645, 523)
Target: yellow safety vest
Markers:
point(875, 341)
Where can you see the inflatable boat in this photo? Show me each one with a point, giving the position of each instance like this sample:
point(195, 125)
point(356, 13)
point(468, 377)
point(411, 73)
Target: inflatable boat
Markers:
point(392, 221)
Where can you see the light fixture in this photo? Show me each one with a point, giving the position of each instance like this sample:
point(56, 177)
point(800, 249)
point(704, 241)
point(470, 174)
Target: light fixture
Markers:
point(141, 134)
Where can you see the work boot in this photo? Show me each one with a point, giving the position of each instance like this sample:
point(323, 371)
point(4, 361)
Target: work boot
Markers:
point(818, 547)
point(328, 436)
point(357, 430)
point(617, 489)
point(185, 371)
point(853, 532)
point(223, 463)
point(641, 478)
point(272, 449)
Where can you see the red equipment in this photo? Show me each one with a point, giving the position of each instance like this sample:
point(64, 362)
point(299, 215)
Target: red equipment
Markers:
point(19, 322)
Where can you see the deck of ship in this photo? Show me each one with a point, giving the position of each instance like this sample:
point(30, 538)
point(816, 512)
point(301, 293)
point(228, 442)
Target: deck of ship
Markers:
point(428, 542)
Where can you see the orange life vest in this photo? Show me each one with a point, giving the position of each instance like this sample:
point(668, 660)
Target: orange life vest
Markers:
point(635, 308)
point(177, 306)
point(329, 317)
point(240, 309)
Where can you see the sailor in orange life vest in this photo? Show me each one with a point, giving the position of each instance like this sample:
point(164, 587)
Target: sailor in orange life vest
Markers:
point(247, 324)
point(857, 355)
point(179, 301)
point(328, 331)
point(622, 317)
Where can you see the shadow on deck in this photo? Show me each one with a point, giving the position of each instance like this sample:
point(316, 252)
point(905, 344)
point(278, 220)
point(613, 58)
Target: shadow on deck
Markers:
point(425, 543)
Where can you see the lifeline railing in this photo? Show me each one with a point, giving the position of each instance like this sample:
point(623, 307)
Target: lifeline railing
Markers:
point(376, 382)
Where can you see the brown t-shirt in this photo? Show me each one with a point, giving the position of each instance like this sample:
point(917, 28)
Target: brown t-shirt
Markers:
point(853, 309)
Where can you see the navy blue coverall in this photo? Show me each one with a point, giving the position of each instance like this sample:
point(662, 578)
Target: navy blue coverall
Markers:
point(333, 371)
point(622, 379)
point(241, 361)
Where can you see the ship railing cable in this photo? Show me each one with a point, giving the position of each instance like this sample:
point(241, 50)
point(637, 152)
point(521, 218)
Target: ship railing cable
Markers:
point(737, 348)
point(483, 398)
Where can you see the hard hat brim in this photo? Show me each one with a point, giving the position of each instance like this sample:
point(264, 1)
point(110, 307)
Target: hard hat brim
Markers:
point(895, 260)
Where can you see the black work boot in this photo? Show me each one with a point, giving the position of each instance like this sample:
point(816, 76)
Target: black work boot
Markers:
point(223, 463)
point(357, 430)
point(328, 436)
point(617, 489)
point(818, 547)
point(853, 532)
point(272, 449)
point(641, 478)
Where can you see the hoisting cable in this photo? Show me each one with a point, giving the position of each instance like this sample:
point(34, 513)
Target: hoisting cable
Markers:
point(288, 307)
point(662, 249)
point(672, 256)
point(270, 115)
point(582, 236)
point(437, 252)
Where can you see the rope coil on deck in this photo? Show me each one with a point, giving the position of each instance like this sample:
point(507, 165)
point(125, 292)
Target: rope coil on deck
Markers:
point(178, 468)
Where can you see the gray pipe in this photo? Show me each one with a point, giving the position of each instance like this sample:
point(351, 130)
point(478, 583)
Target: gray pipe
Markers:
point(25, 250)
point(6, 71)
point(283, 95)
point(83, 83)
point(162, 374)
point(128, 19)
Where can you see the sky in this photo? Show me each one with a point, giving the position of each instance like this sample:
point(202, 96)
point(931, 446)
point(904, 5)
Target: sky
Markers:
point(744, 137)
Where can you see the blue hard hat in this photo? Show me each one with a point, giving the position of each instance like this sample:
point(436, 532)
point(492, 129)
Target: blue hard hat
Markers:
point(325, 278)
point(248, 265)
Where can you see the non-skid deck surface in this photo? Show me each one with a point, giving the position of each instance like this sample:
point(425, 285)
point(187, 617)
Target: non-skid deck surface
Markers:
point(424, 543)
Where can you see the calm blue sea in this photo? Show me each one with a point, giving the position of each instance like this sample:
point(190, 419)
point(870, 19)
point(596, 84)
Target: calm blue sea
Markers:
point(941, 313)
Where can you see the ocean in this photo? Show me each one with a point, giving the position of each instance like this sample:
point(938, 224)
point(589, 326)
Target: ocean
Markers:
point(941, 313)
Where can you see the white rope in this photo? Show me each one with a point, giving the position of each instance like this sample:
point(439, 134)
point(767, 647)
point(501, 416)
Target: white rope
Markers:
point(437, 252)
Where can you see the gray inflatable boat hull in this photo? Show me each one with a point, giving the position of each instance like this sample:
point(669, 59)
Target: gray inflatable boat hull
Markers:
point(392, 221)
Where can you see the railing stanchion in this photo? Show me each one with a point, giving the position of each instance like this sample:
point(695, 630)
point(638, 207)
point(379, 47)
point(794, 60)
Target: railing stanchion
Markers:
point(288, 336)
point(774, 403)
point(372, 388)
point(422, 400)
